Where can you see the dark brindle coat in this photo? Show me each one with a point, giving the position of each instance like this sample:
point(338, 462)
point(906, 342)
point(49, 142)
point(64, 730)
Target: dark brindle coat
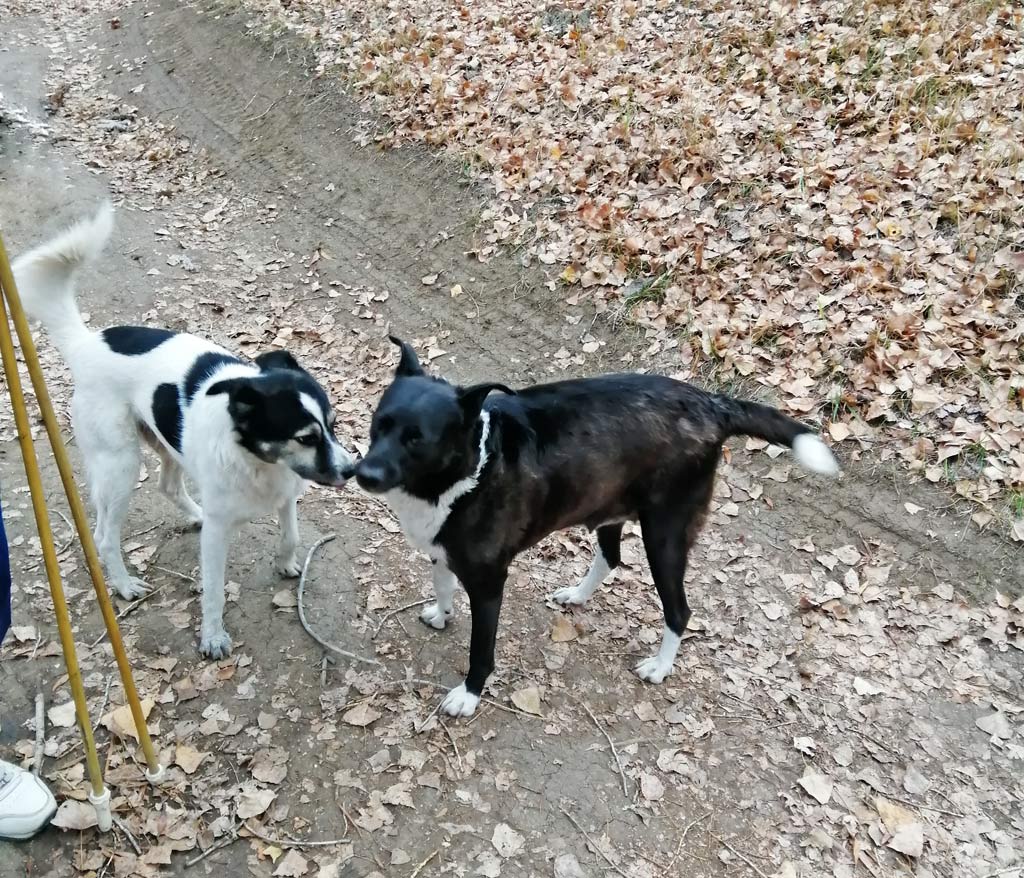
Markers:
point(475, 484)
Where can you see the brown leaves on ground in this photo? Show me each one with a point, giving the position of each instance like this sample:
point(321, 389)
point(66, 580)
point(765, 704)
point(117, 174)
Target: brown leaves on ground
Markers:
point(821, 197)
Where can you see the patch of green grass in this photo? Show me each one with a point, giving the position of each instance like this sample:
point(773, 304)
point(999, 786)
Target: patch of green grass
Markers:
point(1017, 503)
point(652, 291)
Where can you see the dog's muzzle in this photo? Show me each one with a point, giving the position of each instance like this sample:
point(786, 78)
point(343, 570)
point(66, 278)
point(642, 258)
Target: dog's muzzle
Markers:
point(374, 478)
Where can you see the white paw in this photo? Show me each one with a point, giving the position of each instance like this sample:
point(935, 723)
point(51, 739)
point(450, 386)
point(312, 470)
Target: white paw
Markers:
point(459, 702)
point(436, 617)
point(288, 566)
point(130, 588)
point(574, 595)
point(193, 522)
point(216, 646)
point(653, 670)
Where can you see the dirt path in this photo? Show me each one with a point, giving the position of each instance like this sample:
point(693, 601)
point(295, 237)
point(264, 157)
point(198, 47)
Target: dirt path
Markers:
point(843, 639)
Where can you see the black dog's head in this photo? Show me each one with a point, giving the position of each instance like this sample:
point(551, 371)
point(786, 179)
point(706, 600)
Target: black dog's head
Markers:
point(283, 416)
point(424, 432)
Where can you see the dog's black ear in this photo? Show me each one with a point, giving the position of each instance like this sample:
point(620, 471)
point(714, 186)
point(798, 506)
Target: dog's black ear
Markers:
point(409, 363)
point(278, 360)
point(244, 394)
point(472, 398)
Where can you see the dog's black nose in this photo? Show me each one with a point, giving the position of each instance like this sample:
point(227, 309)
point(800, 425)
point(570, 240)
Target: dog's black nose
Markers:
point(371, 478)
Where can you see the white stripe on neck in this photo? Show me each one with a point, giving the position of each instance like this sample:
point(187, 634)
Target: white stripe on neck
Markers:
point(422, 520)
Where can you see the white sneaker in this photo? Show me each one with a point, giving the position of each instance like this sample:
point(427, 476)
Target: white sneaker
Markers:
point(26, 805)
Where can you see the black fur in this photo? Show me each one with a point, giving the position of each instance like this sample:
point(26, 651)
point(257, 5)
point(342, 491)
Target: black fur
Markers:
point(596, 452)
point(167, 414)
point(132, 341)
point(202, 370)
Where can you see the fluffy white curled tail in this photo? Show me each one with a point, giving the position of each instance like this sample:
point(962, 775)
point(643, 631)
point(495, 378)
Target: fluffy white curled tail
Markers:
point(45, 276)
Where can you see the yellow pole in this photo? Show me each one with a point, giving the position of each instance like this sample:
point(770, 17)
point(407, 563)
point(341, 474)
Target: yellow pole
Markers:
point(67, 639)
point(28, 349)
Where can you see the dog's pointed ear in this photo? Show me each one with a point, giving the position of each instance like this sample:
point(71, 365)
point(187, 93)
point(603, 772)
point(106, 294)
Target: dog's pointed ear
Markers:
point(472, 398)
point(409, 363)
point(278, 360)
point(244, 394)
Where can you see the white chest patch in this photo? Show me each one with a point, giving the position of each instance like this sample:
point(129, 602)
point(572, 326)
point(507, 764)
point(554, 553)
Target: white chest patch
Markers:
point(422, 520)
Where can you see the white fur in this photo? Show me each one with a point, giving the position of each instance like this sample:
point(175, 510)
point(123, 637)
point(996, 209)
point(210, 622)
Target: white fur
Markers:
point(582, 593)
point(658, 667)
point(422, 520)
point(459, 702)
point(437, 614)
point(112, 411)
point(814, 455)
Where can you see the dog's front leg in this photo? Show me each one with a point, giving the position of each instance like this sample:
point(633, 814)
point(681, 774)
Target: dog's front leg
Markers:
point(437, 614)
point(485, 605)
point(213, 539)
point(288, 519)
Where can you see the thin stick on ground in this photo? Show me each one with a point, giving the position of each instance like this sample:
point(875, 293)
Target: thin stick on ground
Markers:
point(611, 743)
point(682, 838)
point(447, 731)
point(302, 613)
point(736, 853)
point(288, 841)
point(119, 823)
point(212, 849)
point(396, 612)
point(131, 608)
point(423, 865)
point(37, 756)
point(593, 843)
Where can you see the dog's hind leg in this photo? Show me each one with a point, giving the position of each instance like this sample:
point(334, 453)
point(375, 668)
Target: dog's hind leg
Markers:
point(288, 520)
point(109, 442)
point(172, 486)
point(669, 532)
point(606, 559)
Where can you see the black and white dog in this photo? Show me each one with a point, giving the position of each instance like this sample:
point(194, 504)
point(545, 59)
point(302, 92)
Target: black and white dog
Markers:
point(250, 435)
point(473, 484)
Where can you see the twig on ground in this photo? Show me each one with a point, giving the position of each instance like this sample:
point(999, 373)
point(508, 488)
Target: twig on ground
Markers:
point(170, 572)
point(593, 843)
point(395, 613)
point(230, 839)
point(288, 841)
point(422, 865)
point(736, 853)
point(447, 731)
point(302, 612)
point(119, 823)
point(611, 743)
point(914, 804)
point(131, 608)
point(682, 838)
point(37, 756)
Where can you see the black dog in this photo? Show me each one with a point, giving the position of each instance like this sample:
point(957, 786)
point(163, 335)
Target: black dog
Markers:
point(473, 486)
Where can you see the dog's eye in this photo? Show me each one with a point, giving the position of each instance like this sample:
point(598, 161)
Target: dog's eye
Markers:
point(310, 440)
point(412, 439)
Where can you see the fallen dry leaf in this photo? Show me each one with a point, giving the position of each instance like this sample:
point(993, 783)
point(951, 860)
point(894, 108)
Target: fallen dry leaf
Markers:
point(563, 630)
point(188, 759)
point(527, 700)
point(292, 865)
point(120, 721)
point(361, 715)
point(506, 840)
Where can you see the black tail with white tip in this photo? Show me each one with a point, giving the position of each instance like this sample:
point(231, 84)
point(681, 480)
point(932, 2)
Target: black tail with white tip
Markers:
point(764, 422)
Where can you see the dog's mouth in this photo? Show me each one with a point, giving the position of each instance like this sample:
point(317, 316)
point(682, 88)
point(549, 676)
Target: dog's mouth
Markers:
point(338, 480)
